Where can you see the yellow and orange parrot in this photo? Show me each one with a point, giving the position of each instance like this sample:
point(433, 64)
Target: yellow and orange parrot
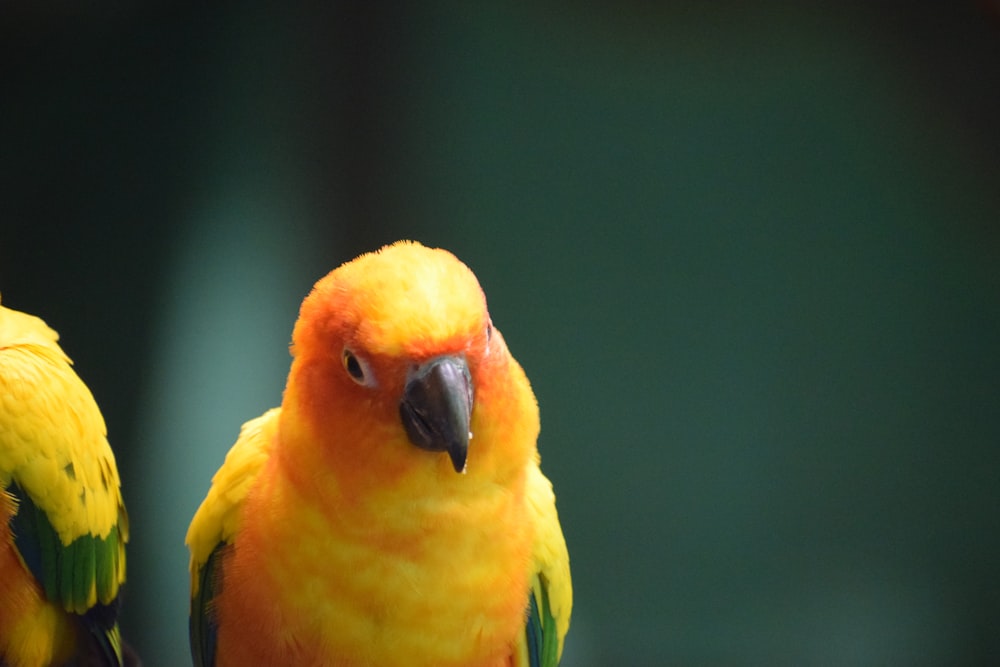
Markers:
point(392, 511)
point(63, 526)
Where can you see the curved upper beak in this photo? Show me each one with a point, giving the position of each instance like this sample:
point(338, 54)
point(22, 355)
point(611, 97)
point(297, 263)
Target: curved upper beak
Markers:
point(437, 406)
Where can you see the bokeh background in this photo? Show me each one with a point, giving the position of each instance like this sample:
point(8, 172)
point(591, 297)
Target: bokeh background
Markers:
point(748, 253)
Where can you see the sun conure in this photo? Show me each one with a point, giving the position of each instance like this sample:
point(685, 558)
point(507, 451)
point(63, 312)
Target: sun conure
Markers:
point(392, 511)
point(63, 526)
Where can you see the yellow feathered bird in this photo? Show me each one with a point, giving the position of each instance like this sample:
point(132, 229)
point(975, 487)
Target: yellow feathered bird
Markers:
point(63, 526)
point(391, 511)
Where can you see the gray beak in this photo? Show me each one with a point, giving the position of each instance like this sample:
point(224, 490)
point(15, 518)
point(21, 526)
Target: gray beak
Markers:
point(437, 406)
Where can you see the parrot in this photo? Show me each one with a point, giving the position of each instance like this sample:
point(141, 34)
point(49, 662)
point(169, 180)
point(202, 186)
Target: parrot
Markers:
point(63, 525)
point(391, 511)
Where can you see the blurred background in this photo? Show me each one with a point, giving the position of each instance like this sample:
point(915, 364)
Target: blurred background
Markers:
point(748, 253)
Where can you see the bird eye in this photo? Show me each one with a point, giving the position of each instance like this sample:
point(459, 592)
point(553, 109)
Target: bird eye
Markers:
point(355, 368)
point(489, 330)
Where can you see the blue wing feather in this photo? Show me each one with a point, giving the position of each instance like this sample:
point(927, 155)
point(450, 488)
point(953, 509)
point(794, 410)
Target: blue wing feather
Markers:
point(202, 625)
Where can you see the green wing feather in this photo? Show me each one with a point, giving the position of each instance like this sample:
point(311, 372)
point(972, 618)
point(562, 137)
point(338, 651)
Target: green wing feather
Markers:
point(541, 632)
point(71, 573)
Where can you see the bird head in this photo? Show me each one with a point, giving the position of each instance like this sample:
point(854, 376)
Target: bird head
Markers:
point(393, 352)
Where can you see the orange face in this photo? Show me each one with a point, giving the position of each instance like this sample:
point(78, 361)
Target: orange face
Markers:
point(404, 337)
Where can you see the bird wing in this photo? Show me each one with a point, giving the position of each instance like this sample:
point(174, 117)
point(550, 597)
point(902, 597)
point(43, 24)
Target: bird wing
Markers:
point(70, 525)
point(551, 597)
point(216, 523)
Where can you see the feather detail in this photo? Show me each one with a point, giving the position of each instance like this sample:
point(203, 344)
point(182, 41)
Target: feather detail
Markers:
point(62, 548)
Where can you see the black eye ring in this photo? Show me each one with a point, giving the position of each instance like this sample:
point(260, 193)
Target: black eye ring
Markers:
point(353, 367)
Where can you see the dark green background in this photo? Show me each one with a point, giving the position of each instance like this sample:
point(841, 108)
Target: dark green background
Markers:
point(749, 256)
